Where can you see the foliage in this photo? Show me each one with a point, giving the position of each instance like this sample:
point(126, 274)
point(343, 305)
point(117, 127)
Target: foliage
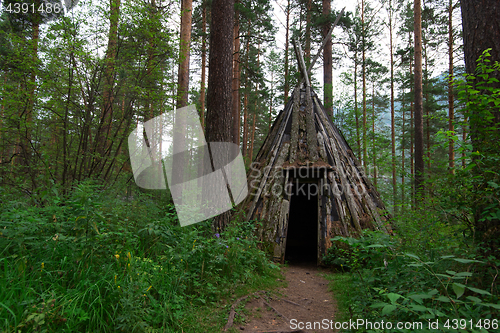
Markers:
point(93, 261)
point(391, 284)
point(481, 94)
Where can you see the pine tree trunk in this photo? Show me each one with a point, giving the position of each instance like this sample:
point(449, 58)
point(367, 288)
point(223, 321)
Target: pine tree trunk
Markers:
point(307, 48)
point(179, 140)
point(451, 110)
point(203, 64)
point(253, 136)
point(426, 108)
point(374, 152)
point(358, 138)
point(412, 133)
point(327, 63)
point(185, 42)
point(403, 153)
point(481, 31)
point(245, 96)
point(419, 125)
point(220, 75)
point(287, 42)
point(236, 78)
point(363, 74)
point(270, 103)
point(393, 123)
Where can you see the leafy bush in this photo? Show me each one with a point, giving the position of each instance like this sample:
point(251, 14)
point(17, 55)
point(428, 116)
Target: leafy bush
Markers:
point(387, 283)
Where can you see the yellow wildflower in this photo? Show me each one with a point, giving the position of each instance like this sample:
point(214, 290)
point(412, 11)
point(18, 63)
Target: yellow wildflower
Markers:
point(117, 256)
point(128, 255)
point(43, 265)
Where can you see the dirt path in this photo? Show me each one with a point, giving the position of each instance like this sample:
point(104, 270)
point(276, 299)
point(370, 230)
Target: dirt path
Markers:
point(305, 299)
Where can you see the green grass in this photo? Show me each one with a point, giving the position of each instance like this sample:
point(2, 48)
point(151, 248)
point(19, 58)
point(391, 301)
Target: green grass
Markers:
point(341, 287)
point(91, 262)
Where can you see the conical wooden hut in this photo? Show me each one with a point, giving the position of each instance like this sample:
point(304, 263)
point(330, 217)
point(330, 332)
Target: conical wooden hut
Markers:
point(306, 186)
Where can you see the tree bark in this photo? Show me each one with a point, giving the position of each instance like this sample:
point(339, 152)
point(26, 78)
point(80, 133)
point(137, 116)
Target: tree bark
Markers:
point(307, 48)
point(412, 132)
point(253, 136)
point(185, 43)
point(418, 112)
point(373, 141)
point(236, 78)
point(327, 62)
point(451, 110)
point(203, 64)
point(179, 140)
point(287, 43)
point(358, 138)
point(363, 74)
point(245, 96)
point(481, 31)
point(219, 94)
point(403, 152)
point(393, 123)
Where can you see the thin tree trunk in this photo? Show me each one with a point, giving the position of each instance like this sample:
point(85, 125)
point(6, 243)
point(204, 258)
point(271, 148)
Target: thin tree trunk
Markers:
point(427, 111)
point(203, 64)
point(184, 46)
point(403, 106)
point(307, 48)
point(419, 126)
point(464, 140)
point(363, 73)
point(451, 110)
point(374, 152)
point(179, 140)
point(327, 63)
point(245, 96)
point(358, 138)
point(412, 132)
point(255, 106)
point(270, 103)
point(287, 42)
point(253, 136)
point(236, 78)
point(393, 122)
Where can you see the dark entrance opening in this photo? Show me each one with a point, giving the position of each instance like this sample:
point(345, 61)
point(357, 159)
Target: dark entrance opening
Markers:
point(302, 235)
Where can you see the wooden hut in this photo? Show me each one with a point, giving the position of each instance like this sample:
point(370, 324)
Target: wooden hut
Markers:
point(305, 184)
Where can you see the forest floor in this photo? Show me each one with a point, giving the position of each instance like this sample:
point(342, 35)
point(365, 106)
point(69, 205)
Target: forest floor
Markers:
point(305, 299)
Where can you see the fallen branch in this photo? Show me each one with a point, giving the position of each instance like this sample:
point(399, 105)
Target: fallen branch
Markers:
point(283, 299)
point(269, 305)
point(232, 313)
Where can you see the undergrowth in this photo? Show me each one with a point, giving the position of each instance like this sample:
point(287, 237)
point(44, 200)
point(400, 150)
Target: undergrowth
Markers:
point(425, 276)
point(92, 261)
